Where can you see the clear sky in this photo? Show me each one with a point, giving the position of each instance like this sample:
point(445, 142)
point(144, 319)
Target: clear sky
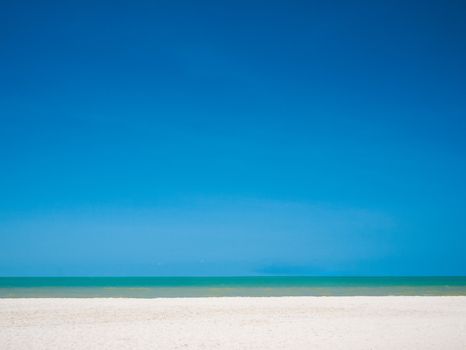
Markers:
point(232, 137)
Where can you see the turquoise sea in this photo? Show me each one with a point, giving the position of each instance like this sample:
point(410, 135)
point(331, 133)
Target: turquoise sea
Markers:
point(153, 287)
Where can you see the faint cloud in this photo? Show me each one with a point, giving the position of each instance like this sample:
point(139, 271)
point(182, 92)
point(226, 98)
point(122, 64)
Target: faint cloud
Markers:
point(244, 235)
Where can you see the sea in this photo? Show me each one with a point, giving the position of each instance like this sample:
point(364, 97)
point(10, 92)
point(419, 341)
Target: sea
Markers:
point(253, 286)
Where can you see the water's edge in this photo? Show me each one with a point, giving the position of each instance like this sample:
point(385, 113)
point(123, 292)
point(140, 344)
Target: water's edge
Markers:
point(153, 287)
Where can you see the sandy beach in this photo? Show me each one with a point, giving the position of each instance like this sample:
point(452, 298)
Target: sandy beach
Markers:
point(235, 323)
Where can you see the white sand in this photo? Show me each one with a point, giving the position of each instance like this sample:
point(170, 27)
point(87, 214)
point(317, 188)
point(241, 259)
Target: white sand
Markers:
point(235, 323)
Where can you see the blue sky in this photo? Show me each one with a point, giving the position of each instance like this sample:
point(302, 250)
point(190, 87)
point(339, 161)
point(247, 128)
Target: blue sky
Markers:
point(232, 137)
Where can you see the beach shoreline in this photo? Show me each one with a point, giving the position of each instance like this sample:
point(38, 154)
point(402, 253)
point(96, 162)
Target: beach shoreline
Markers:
point(344, 322)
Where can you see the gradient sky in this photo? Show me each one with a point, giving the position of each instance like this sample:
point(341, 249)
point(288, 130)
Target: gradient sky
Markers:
point(232, 137)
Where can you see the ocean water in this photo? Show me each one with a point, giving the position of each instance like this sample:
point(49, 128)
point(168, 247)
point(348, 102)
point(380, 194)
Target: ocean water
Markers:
point(153, 287)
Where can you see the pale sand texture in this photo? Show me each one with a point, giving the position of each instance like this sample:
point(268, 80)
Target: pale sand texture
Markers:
point(235, 323)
